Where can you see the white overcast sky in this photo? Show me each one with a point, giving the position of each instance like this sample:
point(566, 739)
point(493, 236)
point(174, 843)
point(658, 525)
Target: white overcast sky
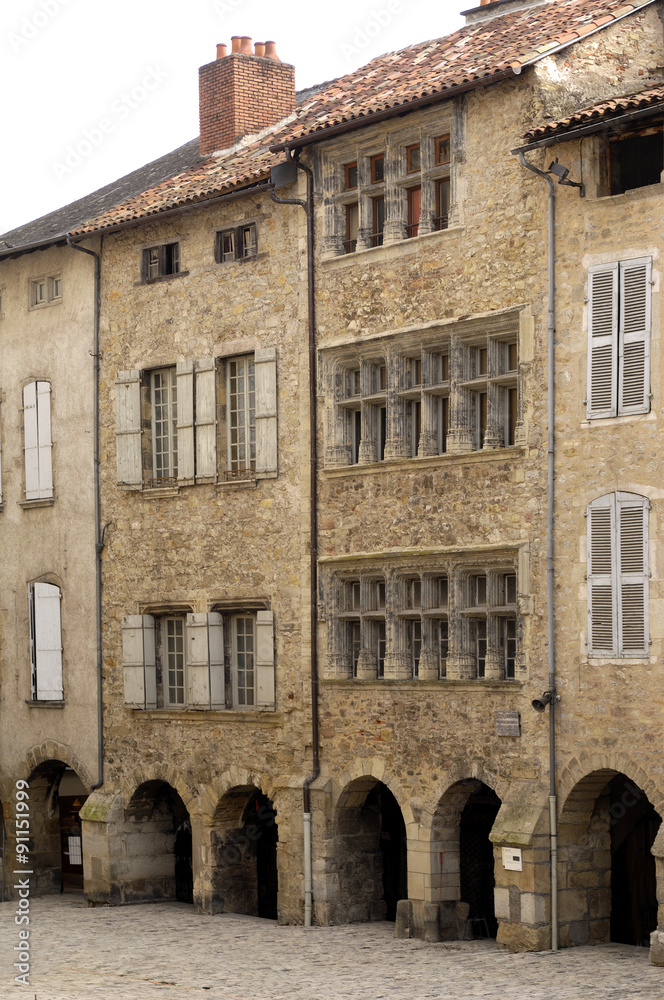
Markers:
point(66, 65)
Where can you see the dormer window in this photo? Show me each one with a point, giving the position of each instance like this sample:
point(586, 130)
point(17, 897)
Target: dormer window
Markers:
point(635, 158)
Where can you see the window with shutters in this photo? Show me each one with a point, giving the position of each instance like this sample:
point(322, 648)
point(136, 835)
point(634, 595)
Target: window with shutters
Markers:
point(37, 444)
point(45, 642)
point(619, 319)
point(618, 576)
point(216, 660)
point(201, 421)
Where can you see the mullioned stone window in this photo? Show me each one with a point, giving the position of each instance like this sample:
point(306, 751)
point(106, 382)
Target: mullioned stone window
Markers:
point(434, 619)
point(423, 394)
point(382, 190)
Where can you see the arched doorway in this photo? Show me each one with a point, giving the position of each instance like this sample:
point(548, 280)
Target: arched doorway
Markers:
point(57, 795)
point(463, 880)
point(245, 876)
point(371, 853)
point(159, 845)
point(606, 832)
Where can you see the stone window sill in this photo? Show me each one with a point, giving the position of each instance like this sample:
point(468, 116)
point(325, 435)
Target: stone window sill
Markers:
point(430, 461)
point(45, 502)
point(386, 250)
point(36, 703)
point(417, 684)
point(264, 716)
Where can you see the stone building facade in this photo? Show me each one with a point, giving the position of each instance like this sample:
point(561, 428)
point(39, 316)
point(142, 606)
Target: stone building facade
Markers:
point(431, 798)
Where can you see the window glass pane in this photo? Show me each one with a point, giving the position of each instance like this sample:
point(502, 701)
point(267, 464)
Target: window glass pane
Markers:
point(442, 149)
point(509, 646)
point(412, 159)
point(164, 424)
point(241, 414)
point(227, 246)
point(350, 244)
point(350, 172)
point(174, 656)
point(377, 168)
point(378, 219)
point(443, 646)
point(380, 647)
point(244, 660)
point(441, 219)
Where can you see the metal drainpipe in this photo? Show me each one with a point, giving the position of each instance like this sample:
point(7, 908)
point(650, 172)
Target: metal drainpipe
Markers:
point(553, 811)
point(99, 538)
point(308, 206)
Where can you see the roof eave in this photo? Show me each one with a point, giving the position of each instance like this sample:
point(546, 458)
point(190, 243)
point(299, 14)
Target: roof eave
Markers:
point(395, 112)
point(605, 125)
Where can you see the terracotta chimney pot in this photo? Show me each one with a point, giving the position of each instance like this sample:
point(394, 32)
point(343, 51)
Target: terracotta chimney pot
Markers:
point(235, 43)
point(221, 51)
point(259, 49)
point(271, 51)
point(245, 46)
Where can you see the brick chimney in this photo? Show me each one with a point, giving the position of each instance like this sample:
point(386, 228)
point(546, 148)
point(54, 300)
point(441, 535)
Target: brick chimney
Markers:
point(243, 93)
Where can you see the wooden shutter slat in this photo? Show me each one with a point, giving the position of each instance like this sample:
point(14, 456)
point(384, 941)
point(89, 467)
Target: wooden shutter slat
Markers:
point(44, 439)
point(265, 361)
point(138, 660)
point(265, 682)
point(206, 420)
point(185, 420)
point(632, 517)
point(30, 441)
point(602, 609)
point(602, 341)
point(128, 428)
point(48, 642)
point(634, 350)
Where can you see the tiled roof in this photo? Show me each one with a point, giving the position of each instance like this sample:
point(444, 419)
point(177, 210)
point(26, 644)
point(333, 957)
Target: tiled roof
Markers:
point(651, 98)
point(475, 55)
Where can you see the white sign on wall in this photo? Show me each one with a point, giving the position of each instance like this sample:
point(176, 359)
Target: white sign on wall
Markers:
point(512, 860)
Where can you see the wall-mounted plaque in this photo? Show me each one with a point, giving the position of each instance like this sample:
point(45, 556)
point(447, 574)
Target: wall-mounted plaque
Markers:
point(508, 724)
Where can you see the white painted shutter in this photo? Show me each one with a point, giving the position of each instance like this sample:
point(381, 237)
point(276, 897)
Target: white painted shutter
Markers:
point(634, 336)
point(128, 427)
point(47, 642)
point(205, 661)
point(44, 439)
point(602, 341)
point(265, 659)
point(138, 660)
point(31, 441)
point(632, 521)
point(602, 597)
point(185, 420)
point(206, 420)
point(265, 361)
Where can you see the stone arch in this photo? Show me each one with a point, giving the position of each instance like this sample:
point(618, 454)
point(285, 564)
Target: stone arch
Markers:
point(609, 808)
point(368, 848)
point(244, 836)
point(460, 771)
point(159, 844)
point(50, 750)
point(145, 773)
point(374, 768)
point(58, 788)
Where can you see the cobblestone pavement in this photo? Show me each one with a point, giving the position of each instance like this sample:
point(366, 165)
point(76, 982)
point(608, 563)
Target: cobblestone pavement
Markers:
point(165, 950)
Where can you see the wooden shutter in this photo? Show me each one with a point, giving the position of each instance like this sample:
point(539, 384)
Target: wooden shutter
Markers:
point(128, 427)
point(634, 336)
point(206, 420)
point(632, 573)
point(185, 420)
point(205, 661)
point(602, 341)
point(30, 441)
point(47, 642)
point(138, 660)
point(265, 361)
point(265, 686)
point(44, 439)
point(602, 604)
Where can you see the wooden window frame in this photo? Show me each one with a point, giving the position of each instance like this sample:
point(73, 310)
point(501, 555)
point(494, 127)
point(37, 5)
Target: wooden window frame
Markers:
point(160, 262)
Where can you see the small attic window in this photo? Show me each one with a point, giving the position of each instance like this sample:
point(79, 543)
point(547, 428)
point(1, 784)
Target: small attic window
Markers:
point(635, 158)
point(161, 262)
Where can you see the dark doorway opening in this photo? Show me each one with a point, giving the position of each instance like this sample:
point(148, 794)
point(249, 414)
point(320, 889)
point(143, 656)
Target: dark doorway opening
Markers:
point(259, 822)
point(184, 872)
point(393, 846)
point(477, 880)
point(633, 826)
